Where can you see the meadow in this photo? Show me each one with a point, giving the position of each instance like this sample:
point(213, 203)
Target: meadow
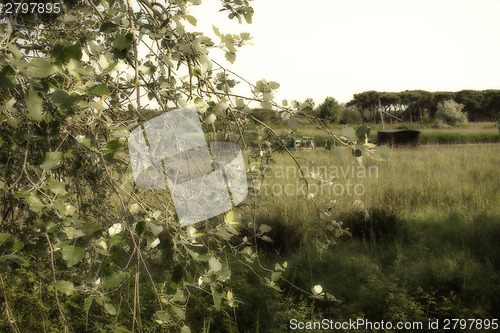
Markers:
point(423, 240)
point(485, 132)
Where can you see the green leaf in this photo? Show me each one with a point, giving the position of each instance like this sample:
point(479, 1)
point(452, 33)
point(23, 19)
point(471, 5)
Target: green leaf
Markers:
point(56, 187)
point(72, 254)
point(4, 237)
point(264, 228)
point(52, 160)
point(64, 207)
point(36, 204)
point(275, 276)
point(214, 264)
point(216, 30)
point(97, 106)
point(114, 146)
point(65, 287)
point(229, 217)
point(87, 304)
point(217, 299)
point(363, 132)
point(73, 233)
point(114, 279)
point(50, 227)
point(15, 51)
point(110, 309)
point(122, 41)
point(118, 239)
point(40, 68)
point(105, 3)
point(245, 35)
point(90, 227)
point(63, 99)
point(163, 316)
point(34, 104)
point(16, 245)
point(134, 208)
point(99, 90)
point(384, 152)
point(266, 105)
point(22, 194)
point(266, 239)
point(185, 329)
point(179, 312)
point(273, 85)
point(15, 258)
point(248, 17)
point(75, 68)
point(7, 79)
point(66, 52)
point(349, 133)
point(108, 27)
point(191, 19)
point(231, 57)
point(14, 121)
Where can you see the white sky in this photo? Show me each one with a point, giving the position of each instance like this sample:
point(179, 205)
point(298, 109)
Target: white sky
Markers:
point(320, 48)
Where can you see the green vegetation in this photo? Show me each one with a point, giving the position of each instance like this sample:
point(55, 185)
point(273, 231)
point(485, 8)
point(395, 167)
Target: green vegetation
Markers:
point(470, 133)
point(450, 113)
point(424, 242)
point(420, 105)
point(84, 248)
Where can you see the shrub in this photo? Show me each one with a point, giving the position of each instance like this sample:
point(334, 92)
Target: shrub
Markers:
point(450, 113)
point(330, 109)
point(351, 115)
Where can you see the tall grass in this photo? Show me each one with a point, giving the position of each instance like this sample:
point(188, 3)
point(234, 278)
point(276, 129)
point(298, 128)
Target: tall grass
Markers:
point(468, 133)
point(425, 243)
point(461, 178)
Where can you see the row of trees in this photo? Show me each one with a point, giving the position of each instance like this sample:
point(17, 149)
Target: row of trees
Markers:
point(409, 105)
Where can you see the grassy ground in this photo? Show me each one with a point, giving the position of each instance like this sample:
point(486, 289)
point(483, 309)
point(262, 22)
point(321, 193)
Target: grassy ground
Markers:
point(463, 178)
point(425, 242)
point(485, 132)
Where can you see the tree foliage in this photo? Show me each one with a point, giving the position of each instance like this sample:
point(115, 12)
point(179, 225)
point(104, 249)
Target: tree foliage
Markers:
point(421, 105)
point(451, 113)
point(330, 110)
point(82, 246)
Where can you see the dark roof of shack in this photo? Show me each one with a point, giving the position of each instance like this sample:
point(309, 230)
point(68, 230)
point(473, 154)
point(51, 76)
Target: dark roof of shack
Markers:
point(398, 131)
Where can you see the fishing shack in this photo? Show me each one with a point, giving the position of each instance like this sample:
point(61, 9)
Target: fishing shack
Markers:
point(398, 137)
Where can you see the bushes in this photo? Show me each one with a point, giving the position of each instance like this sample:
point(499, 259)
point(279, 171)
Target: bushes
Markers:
point(450, 113)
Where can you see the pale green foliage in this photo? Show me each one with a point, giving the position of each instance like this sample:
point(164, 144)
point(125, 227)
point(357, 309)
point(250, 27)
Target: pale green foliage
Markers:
point(450, 113)
point(330, 110)
point(71, 90)
point(351, 115)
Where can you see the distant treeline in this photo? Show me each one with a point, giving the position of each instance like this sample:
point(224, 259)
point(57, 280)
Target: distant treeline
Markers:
point(416, 105)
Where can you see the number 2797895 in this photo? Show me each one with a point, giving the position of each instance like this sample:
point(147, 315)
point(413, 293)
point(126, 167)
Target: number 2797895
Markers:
point(30, 8)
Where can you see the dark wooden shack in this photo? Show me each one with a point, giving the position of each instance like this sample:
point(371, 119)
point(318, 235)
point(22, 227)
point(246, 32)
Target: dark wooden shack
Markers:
point(398, 137)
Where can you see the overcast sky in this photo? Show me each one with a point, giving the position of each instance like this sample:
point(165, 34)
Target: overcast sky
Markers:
point(320, 48)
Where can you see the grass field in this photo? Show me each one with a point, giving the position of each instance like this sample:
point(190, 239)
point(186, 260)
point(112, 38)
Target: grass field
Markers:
point(462, 178)
point(486, 132)
point(425, 240)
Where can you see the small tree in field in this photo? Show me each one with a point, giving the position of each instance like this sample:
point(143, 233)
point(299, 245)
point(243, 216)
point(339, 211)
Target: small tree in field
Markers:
point(451, 113)
point(330, 109)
